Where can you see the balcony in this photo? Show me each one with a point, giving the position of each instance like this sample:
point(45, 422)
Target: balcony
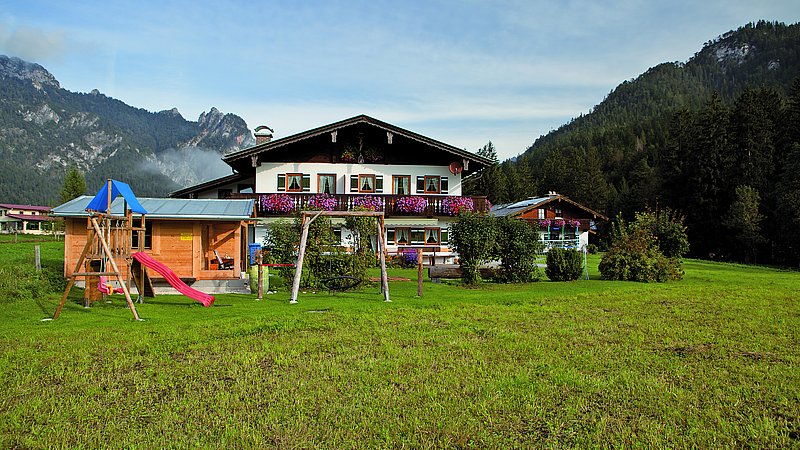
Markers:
point(345, 202)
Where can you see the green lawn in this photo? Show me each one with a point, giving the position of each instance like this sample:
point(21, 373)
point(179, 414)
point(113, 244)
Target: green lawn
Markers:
point(711, 361)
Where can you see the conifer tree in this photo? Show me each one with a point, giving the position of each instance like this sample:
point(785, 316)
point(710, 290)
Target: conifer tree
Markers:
point(74, 185)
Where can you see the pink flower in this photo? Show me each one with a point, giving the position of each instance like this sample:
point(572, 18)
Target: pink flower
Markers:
point(324, 202)
point(411, 204)
point(368, 203)
point(277, 203)
point(455, 205)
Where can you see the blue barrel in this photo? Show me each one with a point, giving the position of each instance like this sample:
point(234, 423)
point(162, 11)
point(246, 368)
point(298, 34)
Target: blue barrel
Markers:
point(254, 248)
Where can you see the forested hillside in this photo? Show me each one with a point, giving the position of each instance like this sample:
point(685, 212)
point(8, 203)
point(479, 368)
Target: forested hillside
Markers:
point(709, 138)
point(44, 129)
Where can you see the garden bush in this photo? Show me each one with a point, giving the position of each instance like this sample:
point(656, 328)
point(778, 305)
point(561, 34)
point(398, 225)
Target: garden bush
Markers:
point(636, 255)
point(518, 247)
point(474, 238)
point(564, 264)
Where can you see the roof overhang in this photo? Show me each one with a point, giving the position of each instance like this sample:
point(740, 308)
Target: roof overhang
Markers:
point(242, 158)
point(521, 207)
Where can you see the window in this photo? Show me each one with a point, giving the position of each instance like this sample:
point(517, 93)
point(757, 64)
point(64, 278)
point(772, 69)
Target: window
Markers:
point(32, 226)
point(558, 212)
point(432, 184)
point(224, 193)
point(401, 185)
point(431, 236)
point(326, 183)
point(294, 182)
point(401, 236)
point(541, 213)
point(366, 183)
point(417, 237)
point(148, 236)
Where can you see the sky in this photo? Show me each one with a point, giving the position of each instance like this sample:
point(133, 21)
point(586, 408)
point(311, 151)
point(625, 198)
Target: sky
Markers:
point(463, 72)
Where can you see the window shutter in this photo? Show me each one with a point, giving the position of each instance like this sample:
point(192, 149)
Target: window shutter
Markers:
point(390, 236)
point(444, 235)
point(281, 181)
point(420, 185)
point(306, 182)
point(443, 185)
point(378, 183)
point(353, 183)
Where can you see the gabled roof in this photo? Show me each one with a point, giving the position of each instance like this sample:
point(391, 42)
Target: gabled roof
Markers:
point(267, 146)
point(523, 206)
point(25, 207)
point(210, 184)
point(169, 208)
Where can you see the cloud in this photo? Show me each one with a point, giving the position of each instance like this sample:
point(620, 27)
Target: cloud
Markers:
point(32, 44)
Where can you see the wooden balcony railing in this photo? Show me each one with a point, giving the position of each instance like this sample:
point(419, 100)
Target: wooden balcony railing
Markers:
point(346, 202)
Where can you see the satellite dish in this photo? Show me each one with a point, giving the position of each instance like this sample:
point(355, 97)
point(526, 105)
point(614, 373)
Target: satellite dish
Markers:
point(456, 168)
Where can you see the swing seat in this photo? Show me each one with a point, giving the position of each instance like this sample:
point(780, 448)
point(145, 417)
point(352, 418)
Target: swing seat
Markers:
point(341, 283)
point(105, 287)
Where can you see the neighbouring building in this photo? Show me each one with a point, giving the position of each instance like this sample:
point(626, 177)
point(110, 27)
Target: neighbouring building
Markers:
point(413, 179)
point(561, 222)
point(25, 219)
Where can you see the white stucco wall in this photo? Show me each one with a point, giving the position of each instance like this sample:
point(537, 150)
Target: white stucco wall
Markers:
point(267, 175)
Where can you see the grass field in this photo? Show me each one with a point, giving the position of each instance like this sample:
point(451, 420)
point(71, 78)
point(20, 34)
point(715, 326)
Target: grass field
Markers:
point(711, 361)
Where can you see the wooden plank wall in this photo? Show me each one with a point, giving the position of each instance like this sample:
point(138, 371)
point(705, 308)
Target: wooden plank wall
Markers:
point(176, 243)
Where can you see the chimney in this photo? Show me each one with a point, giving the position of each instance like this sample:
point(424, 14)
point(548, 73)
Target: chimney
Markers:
point(263, 134)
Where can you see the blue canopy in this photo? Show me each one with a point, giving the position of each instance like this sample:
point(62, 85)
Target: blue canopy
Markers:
point(100, 201)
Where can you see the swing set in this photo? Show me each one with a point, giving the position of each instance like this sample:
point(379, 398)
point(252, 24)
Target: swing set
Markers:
point(342, 282)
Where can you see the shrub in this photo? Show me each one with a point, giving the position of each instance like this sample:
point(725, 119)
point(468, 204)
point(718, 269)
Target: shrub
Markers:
point(635, 253)
point(406, 259)
point(564, 264)
point(518, 247)
point(474, 237)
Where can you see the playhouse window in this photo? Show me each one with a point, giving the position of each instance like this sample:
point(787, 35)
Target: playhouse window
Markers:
point(148, 237)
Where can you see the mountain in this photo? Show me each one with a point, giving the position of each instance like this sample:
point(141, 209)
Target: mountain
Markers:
point(685, 136)
point(44, 129)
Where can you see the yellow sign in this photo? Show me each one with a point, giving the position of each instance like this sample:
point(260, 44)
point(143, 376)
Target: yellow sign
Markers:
point(186, 236)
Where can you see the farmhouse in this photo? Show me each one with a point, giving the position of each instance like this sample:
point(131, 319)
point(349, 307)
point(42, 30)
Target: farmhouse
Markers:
point(196, 239)
point(26, 219)
point(413, 179)
point(562, 223)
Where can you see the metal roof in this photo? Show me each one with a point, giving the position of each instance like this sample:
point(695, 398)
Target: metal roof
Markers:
point(520, 207)
point(25, 207)
point(508, 209)
point(168, 208)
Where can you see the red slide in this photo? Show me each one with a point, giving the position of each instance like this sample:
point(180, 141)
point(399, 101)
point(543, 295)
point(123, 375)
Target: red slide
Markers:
point(145, 259)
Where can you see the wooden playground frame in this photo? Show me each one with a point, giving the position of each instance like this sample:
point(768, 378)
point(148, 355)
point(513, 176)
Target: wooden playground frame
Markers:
point(109, 239)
